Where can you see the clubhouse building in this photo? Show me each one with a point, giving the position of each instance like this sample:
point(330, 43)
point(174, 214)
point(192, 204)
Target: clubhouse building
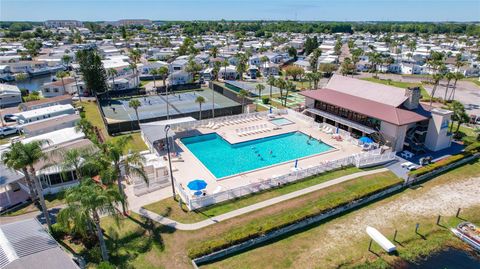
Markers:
point(389, 115)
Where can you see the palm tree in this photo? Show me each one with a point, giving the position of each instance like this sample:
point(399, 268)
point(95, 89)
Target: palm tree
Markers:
point(62, 75)
point(200, 100)
point(458, 76)
point(113, 151)
point(135, 56)
point(13, 160)
point(214, 51)
point(281, 84)
point(75, 159)
point(163, 72)
point(449, 76)
point(154, 73)
point(241, 64)
point(135, 104)
point(225, 64)
point(314, 78)
point(436, 79)
point(66, 59)
point(260, 88)
point(25, 156)
point(289, 86)
point(375, 59)
point(85, 204)
point(264, 59)
point(112, 73)
point(314, 59)
point(243, 94)
point(271, 81)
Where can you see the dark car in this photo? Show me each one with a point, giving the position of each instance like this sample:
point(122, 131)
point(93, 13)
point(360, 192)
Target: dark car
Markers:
point(10, 118)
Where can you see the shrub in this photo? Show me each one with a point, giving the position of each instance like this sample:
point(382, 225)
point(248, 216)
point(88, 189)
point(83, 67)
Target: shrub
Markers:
point(473, 148)
point(437, 165)
point(265, 100)
point(105, 265)
point(353, 191)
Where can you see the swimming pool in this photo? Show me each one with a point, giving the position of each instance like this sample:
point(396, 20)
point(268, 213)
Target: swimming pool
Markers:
point(224, 159)
point(281, 121)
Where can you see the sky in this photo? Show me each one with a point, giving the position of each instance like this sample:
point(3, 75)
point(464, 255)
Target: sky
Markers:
point(301, 10)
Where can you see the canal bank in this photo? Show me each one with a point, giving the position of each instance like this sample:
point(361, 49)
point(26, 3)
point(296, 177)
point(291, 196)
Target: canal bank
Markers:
point(342, 242)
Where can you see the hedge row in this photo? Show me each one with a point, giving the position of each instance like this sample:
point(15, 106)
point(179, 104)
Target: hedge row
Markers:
point(352, 191)
point(471, 149)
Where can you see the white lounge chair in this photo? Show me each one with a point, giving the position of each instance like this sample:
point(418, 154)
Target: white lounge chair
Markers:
point(217, 190)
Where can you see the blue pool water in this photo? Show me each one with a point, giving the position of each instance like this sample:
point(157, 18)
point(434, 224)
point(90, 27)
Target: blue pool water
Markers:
point(224, 159)
point(280, 121)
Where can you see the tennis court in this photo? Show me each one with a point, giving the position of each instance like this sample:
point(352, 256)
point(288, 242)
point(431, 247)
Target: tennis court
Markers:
point(250, 87)
point(155, 106)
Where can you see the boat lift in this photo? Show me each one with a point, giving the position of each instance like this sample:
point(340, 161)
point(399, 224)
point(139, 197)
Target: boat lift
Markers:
point(380, 239)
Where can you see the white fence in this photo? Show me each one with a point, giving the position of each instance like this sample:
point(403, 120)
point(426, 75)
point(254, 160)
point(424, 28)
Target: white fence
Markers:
point(302, 117)
point(361, 160)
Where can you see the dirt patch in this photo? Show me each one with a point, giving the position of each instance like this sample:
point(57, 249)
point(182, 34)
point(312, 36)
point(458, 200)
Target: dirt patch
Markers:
point(438, 200)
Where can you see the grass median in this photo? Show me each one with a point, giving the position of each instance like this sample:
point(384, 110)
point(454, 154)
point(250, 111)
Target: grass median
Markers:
point(311, 205)
point(169, 208)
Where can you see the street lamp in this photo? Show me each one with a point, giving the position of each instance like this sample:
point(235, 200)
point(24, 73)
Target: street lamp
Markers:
point(167, 128)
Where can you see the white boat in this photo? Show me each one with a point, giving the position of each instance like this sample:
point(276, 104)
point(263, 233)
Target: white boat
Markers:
point(469, 233)
point(380, 239)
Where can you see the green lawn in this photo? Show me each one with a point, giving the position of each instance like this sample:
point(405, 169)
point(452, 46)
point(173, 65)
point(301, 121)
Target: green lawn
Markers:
point(474, 80)
point(311, 247)
point(51, 200)
point(400, 84)
point(169, 208)
point(92, 114)
point(138, 243)
point(318, 202)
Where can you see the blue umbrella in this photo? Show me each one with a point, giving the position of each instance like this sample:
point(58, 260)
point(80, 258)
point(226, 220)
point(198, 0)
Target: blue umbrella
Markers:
point(197, 184)
point(296, 163)
point(270, 110)
point(366, 140)
point(337, 130)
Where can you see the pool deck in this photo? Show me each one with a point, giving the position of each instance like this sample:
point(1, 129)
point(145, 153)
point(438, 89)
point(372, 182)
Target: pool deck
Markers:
point(191, 168)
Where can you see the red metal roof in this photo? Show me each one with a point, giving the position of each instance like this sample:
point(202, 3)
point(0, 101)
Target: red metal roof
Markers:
point(364, 106)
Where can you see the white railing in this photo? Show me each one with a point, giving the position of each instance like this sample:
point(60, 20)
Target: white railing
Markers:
point(360, 160)
point(140, 187)
point(302, 117)
point(374, 157)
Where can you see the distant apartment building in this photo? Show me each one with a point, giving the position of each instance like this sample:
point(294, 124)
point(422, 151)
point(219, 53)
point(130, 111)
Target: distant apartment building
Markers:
point(63, 23)
point(128, 22)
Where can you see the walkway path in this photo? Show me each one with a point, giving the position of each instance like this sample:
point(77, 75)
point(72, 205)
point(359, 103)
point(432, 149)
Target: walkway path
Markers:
point(202, 224)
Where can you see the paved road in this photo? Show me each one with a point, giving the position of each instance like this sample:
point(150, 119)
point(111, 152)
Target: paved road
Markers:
point(202, 224)
point(35, 214)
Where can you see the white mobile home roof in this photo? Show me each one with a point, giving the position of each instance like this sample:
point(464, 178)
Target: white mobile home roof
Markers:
point(29, 114)
point(57, 137)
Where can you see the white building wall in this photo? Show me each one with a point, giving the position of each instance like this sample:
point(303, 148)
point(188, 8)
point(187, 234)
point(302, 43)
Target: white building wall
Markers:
point(437, 135)
point(394, 131)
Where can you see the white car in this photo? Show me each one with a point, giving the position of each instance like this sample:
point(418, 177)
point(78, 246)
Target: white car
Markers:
point(409, 165)
point(5, 131)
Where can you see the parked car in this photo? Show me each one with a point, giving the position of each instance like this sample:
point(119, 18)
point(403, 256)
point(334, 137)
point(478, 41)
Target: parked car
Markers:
point(10, 118)
point(6, 131)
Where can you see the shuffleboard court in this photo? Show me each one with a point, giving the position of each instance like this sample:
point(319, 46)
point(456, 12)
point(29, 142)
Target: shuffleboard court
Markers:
point(250, 87)
point(155, 106)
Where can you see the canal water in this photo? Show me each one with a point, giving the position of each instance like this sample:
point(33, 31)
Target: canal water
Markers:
point(33, 84)
point(450, 258)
